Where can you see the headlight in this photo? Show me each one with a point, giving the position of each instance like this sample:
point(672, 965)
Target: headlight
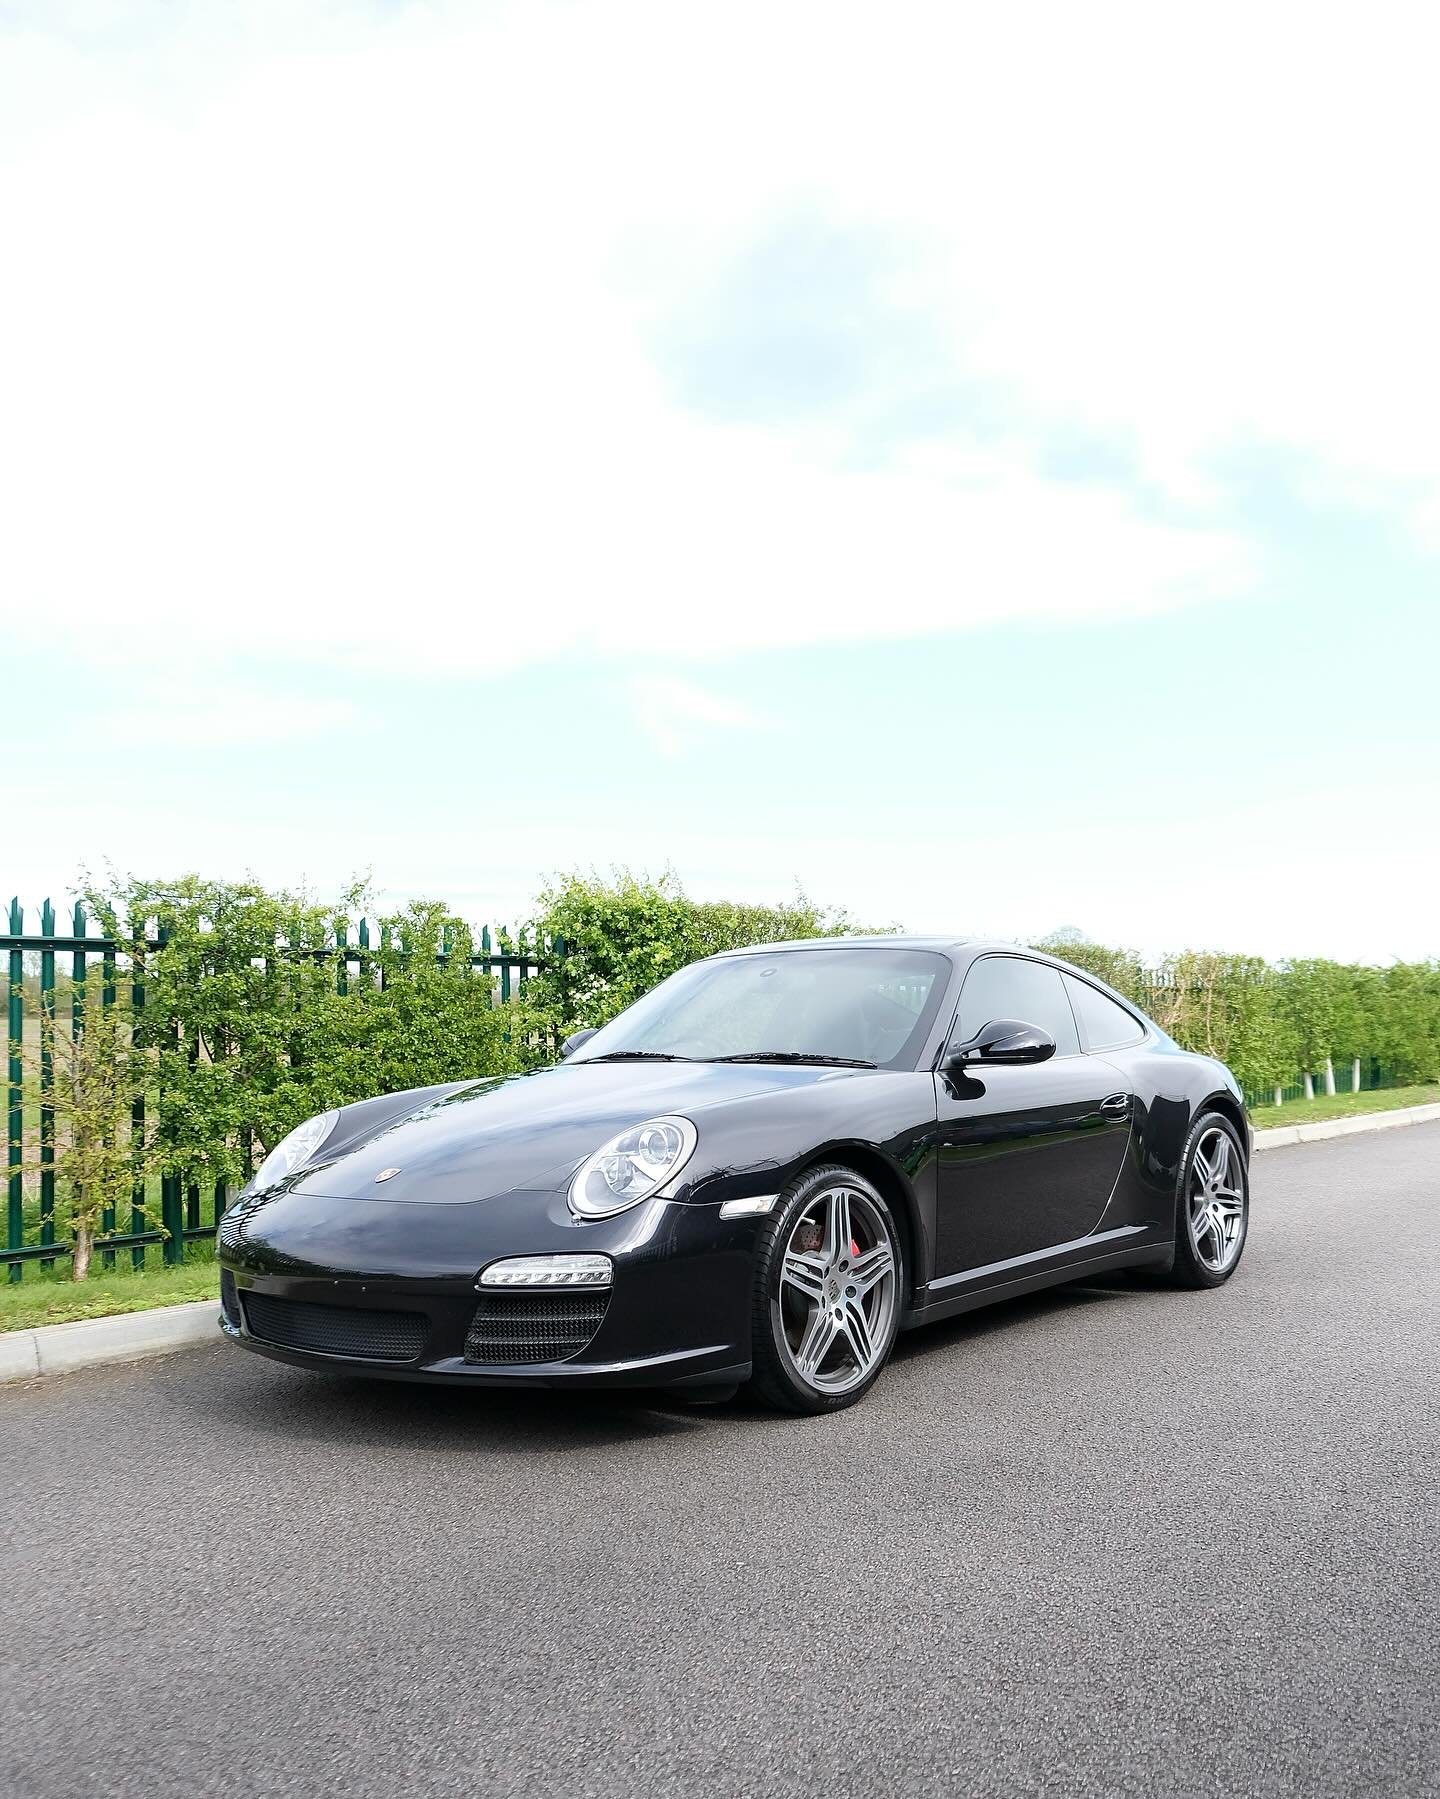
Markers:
point(294, 1151)
point(631, 1167)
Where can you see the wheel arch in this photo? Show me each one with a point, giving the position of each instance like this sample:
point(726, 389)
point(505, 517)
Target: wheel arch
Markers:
point(892, 1185)
point(1231, 1109)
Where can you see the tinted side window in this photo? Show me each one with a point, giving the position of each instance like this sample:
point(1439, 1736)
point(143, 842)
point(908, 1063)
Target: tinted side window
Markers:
point(1009, 987)
point(1106, 1025)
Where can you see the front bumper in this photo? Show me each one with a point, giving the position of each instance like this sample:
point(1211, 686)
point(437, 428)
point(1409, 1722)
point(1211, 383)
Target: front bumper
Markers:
point(678, 1310)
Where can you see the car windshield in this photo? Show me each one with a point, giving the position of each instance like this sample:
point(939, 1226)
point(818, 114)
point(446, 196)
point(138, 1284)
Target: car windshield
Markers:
point(870, 1006)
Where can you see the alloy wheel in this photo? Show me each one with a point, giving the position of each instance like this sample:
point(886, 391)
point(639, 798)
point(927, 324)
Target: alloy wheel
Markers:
point(1216, 1202)
point(836, 1300)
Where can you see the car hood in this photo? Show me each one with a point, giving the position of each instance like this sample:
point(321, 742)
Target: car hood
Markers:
point(531, 1130)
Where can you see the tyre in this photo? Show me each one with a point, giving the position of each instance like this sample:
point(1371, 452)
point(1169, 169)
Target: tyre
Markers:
point(1212, 1204)
point(828, 1279)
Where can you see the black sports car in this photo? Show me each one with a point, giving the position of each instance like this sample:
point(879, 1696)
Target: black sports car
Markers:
point(761, 1171)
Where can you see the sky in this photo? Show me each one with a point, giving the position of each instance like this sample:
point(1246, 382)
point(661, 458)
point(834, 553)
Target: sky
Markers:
point(978, 465)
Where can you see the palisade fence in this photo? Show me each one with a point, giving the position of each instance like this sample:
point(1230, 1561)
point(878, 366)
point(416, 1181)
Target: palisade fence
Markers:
point(1361, 1074)
point(58, 973)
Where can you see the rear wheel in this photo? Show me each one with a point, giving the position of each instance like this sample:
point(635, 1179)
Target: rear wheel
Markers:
point(827, 1286)
point(1212, 1205)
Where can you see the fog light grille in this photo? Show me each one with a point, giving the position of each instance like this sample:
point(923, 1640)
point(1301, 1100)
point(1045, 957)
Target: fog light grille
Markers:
point(335, 1330)
point(533, 1326)
point(229, 1305)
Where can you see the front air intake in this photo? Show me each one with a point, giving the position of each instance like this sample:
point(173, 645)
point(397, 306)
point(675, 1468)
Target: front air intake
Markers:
point(335, 1330)
point(533, 1326)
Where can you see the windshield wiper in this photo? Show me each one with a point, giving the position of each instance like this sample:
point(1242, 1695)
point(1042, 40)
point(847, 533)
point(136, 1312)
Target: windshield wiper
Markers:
point(794, 1056)
point(639, 1055)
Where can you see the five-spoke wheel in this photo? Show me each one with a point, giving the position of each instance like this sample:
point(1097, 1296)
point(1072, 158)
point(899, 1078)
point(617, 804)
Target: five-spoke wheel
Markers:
point(827, 1292)
point(1217, 1201)
point(1213, 1213)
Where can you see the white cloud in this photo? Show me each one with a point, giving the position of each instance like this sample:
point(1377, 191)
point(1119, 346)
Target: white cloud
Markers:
point(225, 716)
point(676, 714)
point(334, 331)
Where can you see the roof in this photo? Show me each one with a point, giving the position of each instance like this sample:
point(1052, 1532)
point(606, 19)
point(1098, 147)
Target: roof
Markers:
point(884, 942)
point(943, 946)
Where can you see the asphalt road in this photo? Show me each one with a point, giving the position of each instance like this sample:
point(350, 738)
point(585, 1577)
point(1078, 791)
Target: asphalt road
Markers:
point(1114, 1540)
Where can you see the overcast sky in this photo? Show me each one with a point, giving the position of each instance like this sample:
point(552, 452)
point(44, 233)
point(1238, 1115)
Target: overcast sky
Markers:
point(979, 463)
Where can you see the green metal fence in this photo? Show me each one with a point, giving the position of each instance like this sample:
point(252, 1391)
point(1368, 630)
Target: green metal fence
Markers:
point(33, 961)
point(1362, 1074)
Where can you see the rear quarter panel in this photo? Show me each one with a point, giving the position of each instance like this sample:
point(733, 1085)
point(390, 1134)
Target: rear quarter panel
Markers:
point(1171, 1089)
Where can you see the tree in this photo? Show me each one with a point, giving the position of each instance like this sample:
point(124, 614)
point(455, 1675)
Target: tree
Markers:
point(1226, 1006)
point(99, 1156)
point(1311, 1000)
point(1407, 1020)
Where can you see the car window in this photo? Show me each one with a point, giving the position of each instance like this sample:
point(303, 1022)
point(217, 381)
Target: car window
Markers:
point(871, 1004)
point(1106, 1025)
point(1011, 987)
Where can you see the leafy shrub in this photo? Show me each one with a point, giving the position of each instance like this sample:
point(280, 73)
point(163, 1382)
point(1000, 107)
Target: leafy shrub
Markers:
point(622, 936)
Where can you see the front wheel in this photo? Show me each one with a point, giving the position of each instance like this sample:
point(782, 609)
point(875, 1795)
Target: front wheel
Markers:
point(827, 1286)
point(1212, 1205)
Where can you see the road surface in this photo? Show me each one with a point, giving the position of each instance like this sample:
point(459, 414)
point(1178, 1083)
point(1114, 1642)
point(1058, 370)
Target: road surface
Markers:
point(1110, 1540)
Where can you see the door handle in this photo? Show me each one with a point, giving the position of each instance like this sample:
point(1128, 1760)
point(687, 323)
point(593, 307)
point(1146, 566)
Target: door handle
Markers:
point(1116, 1106)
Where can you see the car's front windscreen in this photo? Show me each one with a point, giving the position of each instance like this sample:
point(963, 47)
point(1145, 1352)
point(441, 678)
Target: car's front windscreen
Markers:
point(871, 1006)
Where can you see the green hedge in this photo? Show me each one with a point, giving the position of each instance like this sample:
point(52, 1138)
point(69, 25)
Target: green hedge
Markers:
point(252, 1024)
point(1272, 1022)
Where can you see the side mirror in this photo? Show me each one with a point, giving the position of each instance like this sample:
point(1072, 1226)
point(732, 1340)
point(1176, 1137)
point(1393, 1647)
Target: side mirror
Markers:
point(575, 1039)
point(1003, 1040)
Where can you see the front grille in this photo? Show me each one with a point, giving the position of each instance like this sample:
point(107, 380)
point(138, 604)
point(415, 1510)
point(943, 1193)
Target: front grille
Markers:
point(335, 1330)
point(228, 1303)
point(533, 1326)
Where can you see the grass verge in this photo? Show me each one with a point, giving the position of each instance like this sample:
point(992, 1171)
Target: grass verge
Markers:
point(42, 1298)
point(1343, 1105)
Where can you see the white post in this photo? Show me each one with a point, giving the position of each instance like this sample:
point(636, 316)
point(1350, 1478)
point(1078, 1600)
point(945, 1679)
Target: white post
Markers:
point(1355, 1075)
point(1309, 1086)
point(1329, 1077)
point(1279, 1096)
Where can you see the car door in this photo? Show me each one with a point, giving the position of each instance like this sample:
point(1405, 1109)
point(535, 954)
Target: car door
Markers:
point(1028, 1155)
